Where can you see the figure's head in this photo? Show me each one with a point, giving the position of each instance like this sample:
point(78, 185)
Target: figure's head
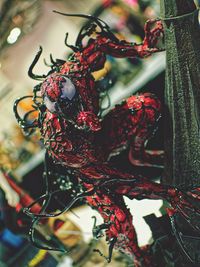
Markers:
point(60, 95)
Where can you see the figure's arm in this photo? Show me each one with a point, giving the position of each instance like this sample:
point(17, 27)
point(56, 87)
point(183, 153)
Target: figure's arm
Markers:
point(106, 43)
point(153, 31)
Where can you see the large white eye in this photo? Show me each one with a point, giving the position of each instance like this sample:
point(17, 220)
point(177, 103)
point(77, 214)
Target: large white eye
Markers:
point(49, 104)
point(68, 89)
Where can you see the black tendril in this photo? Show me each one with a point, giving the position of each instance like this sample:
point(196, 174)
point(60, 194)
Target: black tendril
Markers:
point(23, 122)
point(35, 219)
point(36, 89)
point(47, 64)
point(49, 196)
point(57, 62)
point(85, 31)
point(102, 24)
point(72, 47)
point(105, 29)
point(112, 242)
point(46, 198)
point(37, 244)
point(54, 66)
point(30, 71)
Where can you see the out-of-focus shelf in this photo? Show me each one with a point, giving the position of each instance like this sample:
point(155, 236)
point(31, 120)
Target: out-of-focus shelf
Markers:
point(30, 165)
point(152, 67)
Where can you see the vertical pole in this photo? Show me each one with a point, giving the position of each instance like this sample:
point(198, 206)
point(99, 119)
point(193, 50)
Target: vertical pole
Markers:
point(182, 93)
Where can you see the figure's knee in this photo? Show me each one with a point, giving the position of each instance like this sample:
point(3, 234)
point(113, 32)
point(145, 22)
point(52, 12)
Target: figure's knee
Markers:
point(146, 100)
point(144, 108)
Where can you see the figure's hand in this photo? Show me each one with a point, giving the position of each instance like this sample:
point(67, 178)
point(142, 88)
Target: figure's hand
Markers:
point(153, 32)
point(88, 120)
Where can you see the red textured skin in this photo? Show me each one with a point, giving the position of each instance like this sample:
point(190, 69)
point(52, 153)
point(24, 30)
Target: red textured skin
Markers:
point(87, 149)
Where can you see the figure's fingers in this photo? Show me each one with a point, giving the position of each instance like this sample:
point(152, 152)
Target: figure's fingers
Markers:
point(153, 50)
point(150, 22)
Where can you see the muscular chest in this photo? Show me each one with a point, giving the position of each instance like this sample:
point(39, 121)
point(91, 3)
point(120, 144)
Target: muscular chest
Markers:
point(66, 144)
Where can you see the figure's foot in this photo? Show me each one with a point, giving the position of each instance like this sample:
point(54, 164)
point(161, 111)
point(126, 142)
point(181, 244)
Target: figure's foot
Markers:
point(147, 158)
point(146, 260)
point(187, 204)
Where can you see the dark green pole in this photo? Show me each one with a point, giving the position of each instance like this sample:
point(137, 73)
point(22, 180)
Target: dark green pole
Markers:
point(182, 93)
point(182, 128)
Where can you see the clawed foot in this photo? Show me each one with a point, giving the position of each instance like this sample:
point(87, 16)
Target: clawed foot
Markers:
point(187, 204)
point(97, 229)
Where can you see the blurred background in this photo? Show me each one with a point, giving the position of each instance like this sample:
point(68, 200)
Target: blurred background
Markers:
point(24, 26)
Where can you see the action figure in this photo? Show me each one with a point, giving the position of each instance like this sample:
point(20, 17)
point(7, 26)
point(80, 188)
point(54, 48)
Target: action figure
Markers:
point(79, 139)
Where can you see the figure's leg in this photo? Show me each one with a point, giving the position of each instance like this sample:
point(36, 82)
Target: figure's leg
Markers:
point(134, 122)
point(109, 181)
point(185, 203)
point(146, 110)
point(120, 232)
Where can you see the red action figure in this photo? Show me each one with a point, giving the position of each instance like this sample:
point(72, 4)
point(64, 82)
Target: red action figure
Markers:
point(77, 138)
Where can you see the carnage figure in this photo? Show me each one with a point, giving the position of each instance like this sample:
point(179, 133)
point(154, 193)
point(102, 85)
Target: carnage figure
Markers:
point(80, 140)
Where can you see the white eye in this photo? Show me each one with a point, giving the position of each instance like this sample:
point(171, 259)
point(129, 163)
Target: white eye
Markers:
point(68, 89)
point(49, 104)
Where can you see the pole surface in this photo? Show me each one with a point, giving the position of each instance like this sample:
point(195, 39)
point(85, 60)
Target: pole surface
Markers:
point(182, 93)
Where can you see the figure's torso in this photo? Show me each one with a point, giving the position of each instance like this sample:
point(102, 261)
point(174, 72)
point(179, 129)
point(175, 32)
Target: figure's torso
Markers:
point(67, 145)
